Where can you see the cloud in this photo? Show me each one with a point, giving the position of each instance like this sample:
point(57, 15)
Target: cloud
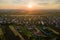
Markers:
point(42, 3)
point(14, 1)
point(47, 1)
point(57, 1)
point(27, 1)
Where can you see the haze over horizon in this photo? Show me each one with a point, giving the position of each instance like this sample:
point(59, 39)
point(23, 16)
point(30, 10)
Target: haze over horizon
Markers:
point(36, 4)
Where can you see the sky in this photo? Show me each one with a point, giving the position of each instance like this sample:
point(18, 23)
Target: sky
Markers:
point(22, 4)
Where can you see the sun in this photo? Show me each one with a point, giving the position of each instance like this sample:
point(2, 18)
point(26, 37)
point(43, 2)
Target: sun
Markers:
point(29, 5)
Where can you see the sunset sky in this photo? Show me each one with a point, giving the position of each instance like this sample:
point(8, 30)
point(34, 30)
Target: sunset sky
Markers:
point(23, 4)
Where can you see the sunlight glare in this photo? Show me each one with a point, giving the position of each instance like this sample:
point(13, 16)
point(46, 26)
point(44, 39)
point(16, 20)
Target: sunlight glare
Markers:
point(30, 6)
